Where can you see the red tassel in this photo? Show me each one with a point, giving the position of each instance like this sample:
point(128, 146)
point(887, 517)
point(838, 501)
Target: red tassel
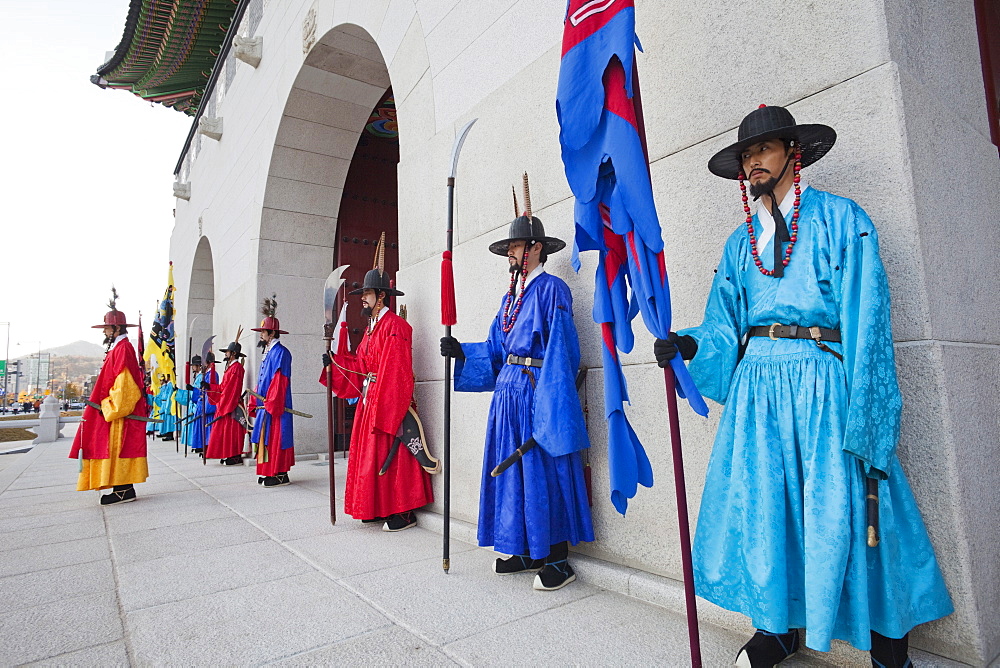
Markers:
point(449, 315)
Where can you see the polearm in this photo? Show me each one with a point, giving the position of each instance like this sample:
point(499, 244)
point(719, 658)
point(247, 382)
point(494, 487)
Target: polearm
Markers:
point(187, 381)
point(449, 318)
point(206, 350)
point(330, 290)
point(680, 488)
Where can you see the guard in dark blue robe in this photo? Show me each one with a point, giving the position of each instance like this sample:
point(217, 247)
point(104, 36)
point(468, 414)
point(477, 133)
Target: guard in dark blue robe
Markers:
point(536, 507)
point(807, 520)
point(204, 411)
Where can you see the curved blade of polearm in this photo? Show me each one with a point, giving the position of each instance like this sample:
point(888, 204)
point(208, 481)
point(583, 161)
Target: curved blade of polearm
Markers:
point(457, 146)
point(330, 290)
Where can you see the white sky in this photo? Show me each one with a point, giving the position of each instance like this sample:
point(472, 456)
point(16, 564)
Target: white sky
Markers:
point(86, 178)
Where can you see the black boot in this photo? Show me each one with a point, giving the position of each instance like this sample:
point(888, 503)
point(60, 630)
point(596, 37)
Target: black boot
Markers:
point(766, 649)
point(118, 494)
point(556, 573)
point(519, 563)
point(890, 652)
point(400, 521)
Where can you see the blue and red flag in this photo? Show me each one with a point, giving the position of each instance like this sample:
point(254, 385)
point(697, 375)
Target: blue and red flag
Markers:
point(604, 154)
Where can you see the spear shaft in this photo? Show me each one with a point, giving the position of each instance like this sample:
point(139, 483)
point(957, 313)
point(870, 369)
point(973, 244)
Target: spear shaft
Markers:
point(446, 455)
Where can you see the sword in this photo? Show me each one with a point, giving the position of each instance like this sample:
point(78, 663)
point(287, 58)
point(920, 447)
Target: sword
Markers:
point(137, 418)
point(287, 410)
point(871, 502)
point(531, 443)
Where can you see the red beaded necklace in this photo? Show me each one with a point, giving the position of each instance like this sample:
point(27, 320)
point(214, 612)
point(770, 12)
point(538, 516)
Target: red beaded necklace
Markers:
point(507, 319)
point(795, 219)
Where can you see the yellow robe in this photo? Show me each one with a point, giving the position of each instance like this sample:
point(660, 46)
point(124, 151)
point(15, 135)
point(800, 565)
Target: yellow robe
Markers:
point(105, 473)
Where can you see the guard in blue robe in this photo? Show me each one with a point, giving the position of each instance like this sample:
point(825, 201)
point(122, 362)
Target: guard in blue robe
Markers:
point(203, 411)
point(272, 436)
point(165, 402)
point(539, 505)
point(802, 360)
point(186, 398)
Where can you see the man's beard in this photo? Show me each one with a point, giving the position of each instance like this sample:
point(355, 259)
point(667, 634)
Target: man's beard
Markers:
point(108, 340)
point(262, 344)
point(366, 312)
point(763, 188)
point(515, 268)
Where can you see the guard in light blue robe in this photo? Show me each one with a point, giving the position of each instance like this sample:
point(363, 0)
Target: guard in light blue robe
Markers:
point(781, 534)
point(186, 403)
point(165, 402)
point(540, 502)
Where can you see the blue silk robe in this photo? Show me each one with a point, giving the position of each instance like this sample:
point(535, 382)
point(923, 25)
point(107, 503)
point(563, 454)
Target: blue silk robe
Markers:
point(781, 533)
point(165, 403)
point(185, 398)
point(542, 499)
point(203, 411)
point(275, 367)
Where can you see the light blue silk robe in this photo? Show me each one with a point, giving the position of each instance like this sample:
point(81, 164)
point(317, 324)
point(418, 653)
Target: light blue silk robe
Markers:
point(542, 499)
point(164, 401)
point(781, 534)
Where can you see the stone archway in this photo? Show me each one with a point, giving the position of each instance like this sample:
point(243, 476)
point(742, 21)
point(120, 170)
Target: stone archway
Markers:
point(201, 301)
point(343, 78)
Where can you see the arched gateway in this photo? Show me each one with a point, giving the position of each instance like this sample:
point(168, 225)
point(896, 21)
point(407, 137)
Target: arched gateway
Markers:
point(330, 193)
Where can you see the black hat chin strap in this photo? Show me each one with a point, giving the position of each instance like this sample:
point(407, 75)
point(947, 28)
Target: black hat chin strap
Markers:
point(781, 235)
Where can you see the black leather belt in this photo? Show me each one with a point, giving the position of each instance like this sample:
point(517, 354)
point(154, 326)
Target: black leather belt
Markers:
point(525, 361)
point(779, 331)
point(817, 334)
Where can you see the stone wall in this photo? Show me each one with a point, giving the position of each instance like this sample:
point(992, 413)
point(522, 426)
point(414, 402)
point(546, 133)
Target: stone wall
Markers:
point(900, 82)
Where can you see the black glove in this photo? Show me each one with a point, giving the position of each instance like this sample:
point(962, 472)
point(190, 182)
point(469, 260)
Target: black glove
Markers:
point(190, 387)
point(205, 385)
point(450, 347)
point(326, 360)
point(666, 350)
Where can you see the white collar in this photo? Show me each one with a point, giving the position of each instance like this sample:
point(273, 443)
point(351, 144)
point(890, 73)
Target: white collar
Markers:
point(532, 275)
point(117, 340)
point(376, 317)
point(537, 271)
point(766, 221)
point(270, 344)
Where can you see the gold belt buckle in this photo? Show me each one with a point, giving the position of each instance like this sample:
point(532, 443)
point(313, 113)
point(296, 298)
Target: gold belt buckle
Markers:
point(770, 331)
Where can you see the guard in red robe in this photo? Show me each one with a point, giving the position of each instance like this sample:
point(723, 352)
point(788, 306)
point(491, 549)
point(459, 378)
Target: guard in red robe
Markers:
point(380, 375)
point(272, 428)
point(111, 440)
point(225, 442)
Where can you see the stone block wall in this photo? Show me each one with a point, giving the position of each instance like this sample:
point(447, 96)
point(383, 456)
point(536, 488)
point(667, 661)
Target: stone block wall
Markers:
point(899, 80)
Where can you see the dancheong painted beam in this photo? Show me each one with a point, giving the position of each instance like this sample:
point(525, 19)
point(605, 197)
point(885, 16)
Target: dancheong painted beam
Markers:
point(168, 50)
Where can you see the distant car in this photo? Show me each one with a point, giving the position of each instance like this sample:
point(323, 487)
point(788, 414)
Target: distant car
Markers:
point(75, 405)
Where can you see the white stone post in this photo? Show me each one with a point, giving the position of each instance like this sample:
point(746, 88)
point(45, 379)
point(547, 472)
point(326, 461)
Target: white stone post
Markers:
point(48, 430)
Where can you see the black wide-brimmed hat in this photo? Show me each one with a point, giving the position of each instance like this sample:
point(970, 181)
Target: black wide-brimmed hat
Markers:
point(377, 279)
point(763, 123)
point(233, 347)
point(524, 228)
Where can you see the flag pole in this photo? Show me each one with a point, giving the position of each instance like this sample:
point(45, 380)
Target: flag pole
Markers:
point(680, 488)
point(448, 318)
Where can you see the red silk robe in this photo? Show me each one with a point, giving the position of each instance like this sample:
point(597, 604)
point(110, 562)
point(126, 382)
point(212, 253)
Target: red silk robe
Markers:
point(388, 353)
point(226, 439)
point(113, 448)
